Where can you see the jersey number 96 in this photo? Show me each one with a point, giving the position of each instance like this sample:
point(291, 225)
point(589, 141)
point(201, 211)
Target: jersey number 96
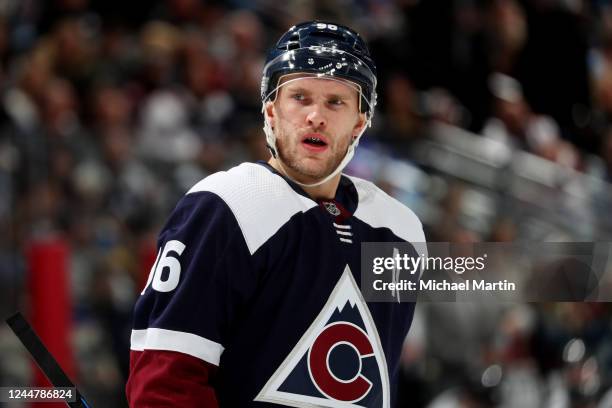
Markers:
point(166, 270)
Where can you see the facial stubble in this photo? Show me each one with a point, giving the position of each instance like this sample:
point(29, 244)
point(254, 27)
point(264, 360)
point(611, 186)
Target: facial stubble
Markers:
point(291, 158)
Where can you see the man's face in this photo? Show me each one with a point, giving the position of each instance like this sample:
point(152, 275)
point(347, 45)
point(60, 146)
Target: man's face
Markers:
point(314, 120)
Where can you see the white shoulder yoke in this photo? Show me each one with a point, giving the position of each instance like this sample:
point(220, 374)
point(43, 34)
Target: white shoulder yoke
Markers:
point(261, 201)
point(379, 210)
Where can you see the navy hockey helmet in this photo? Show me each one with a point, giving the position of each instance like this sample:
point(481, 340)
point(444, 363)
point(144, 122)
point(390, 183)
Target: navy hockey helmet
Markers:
point(324, 49)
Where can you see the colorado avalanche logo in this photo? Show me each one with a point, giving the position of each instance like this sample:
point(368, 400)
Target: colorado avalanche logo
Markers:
point(331, 341)
point(338, 362)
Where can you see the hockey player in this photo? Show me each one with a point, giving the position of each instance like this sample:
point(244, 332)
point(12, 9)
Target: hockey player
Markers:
point(254, 298)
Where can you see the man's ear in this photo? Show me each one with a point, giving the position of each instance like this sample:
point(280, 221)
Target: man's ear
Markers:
point(361, 123)
point(269, 112)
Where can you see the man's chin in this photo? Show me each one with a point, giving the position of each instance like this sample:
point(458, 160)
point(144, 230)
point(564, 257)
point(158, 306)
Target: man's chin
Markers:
point(309, 170)
point(309, 176)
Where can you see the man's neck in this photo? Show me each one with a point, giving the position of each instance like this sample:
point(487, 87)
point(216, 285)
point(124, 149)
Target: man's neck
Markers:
point(325, 191)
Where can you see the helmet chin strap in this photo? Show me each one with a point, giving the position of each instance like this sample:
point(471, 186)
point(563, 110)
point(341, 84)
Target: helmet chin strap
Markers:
point(271, 140)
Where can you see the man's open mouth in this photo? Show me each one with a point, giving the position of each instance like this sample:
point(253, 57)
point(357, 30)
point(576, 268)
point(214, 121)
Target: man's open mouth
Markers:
point(315, 141)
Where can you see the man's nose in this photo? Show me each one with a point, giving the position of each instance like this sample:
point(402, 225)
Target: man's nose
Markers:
point(315, 117)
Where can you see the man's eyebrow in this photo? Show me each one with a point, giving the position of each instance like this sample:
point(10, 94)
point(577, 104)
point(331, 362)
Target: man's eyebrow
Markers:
point(343, 96)
point(337, 95)
point(297, 88)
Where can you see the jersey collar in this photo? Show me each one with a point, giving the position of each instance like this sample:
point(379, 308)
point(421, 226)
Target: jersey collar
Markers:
point(346, 194)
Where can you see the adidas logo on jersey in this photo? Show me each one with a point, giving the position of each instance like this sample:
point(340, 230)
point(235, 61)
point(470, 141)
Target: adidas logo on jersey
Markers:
point(338, 362)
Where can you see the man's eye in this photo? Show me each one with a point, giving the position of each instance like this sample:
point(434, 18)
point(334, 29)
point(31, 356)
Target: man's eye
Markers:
point(336, 102)
point(298, 97)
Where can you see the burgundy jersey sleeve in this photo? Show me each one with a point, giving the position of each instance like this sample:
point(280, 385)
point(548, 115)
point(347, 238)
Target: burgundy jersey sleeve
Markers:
point(150, 384)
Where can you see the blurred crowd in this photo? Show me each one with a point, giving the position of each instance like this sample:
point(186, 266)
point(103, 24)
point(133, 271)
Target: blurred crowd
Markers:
point(111, 110)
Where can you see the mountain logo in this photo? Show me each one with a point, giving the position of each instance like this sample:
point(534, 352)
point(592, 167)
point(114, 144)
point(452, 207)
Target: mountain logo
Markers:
point(338, 362)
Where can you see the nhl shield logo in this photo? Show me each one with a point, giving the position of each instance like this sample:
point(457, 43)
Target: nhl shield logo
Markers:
point(331, 208)
point(338, 362)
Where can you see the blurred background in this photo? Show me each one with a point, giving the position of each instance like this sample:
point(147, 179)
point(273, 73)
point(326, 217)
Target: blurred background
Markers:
point(494, 123)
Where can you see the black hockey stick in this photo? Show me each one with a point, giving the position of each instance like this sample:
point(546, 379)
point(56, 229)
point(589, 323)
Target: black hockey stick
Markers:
point(43, 358)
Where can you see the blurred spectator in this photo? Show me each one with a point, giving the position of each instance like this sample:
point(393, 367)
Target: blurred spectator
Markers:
point(510, 112)
point(606, 153)
point(543, 139)
point(443, 107)
point(165, 134)
point(602, 77)
point(401, 124)
point(508, 27)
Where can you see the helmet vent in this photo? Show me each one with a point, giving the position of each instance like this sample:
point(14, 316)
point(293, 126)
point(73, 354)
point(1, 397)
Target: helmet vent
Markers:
point(292, 45)
point(293, 42)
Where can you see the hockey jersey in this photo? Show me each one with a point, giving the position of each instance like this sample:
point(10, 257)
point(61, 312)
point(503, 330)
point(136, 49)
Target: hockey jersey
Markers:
point(257, 279)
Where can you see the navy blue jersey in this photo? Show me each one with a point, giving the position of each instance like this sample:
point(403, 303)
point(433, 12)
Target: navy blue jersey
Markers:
point(258, 279)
